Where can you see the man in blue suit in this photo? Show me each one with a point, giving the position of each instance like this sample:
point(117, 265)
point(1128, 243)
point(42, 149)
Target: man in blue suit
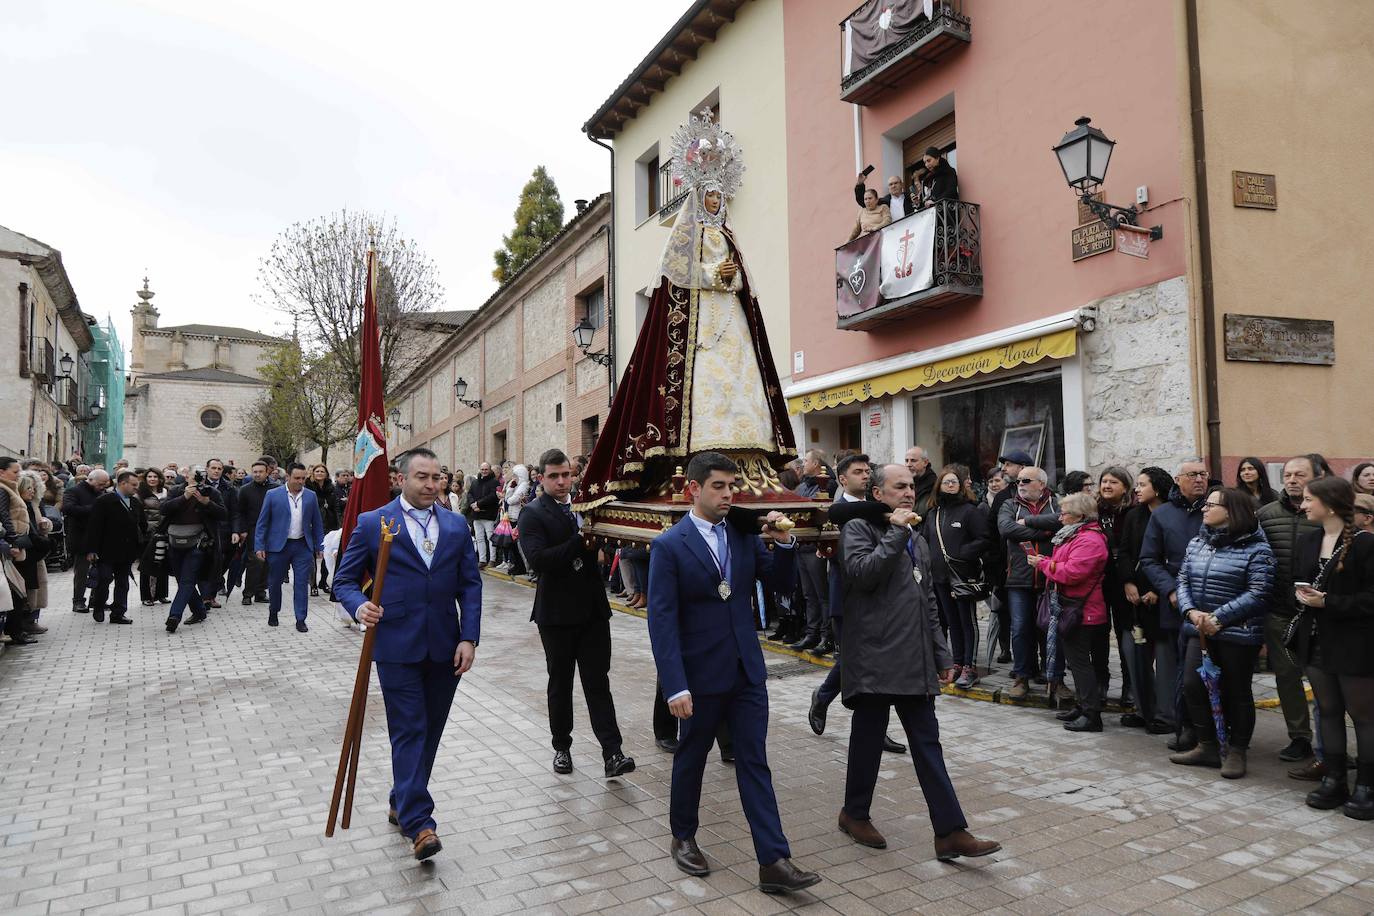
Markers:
point(424, 644)
point(701, 624)
point(289, 532)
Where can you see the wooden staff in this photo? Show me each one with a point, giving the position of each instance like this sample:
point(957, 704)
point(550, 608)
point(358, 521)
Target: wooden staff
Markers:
point(353, 731)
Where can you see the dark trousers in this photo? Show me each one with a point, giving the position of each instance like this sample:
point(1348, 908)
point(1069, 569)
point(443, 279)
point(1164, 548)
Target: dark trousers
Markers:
point(296, 555)
point(1085, 647)
point(1338, 696)
point(830, 687)
point(665, 723)
point(108, 575)
point(80, 573)
point(1237, 664)
point(254, 574)
point(586, 648)
point(1122, 616)
point(418, 698)
point(866, 731)
point(185, 566)
point(815, 585)
point(1169, 705)
point(1287, 679)
point(745, 708)
point(152, 586)
point(958, 617)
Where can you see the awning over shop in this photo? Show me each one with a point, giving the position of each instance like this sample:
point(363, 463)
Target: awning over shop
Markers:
point(1056, 345)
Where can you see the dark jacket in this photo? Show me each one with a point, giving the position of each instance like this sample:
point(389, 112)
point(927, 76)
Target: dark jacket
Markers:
point(114, 531)
point(331, 509)
point(940, 183)
point(1011, 526)
point(1130, 536)
point(1112, 519)
point(959, 530)
point(925, 492)
point(1172, 527)
point(177, 509)
point(1231, 578)
point(1345, 627)
point(569, 590)
point(228, 496)
point(840, 512)
point(1283, 523)
point(892, 643)
point(77, 503)
point(248, 506)
point(482, 499)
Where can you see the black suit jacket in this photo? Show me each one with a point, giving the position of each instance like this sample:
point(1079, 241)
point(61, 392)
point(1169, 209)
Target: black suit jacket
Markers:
point(115, 533)
point(564, 596)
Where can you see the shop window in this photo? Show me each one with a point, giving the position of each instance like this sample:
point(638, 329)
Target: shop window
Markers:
point(969, 426)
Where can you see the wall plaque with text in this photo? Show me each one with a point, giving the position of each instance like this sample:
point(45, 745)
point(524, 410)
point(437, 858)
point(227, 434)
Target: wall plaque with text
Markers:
point(1093, 239)
point(1264, 339)
point(1256, 190)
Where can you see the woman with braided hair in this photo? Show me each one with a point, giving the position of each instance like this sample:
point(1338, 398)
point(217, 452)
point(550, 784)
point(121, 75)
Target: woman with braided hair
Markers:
point(1335, 572)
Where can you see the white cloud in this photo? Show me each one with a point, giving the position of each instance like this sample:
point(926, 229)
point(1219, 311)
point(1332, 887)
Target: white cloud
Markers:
point(180, 137)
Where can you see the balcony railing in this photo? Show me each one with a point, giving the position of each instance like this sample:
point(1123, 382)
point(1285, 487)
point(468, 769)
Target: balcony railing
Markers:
point(884, 276)
point(669, 196)
point(869, 69)
point(65, 395)
point(44, 363)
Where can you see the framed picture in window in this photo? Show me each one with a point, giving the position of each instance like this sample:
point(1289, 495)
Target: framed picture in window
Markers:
point(1029, 439)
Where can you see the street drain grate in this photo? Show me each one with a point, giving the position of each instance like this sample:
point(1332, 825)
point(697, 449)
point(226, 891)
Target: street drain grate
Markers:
point(790, 669)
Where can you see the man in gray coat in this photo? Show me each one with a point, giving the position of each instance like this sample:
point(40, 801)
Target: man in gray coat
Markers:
point(895, 655)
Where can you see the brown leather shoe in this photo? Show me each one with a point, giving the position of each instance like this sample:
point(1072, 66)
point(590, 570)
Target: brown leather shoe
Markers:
point(782, 877)
point(426, 844)
point(687, 856)
point(962, 843)
point(861, 832)
point(1311, 771)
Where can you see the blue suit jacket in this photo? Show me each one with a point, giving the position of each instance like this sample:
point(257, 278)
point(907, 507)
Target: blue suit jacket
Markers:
point(698, 639)
point(274, 521)
point(419, 616)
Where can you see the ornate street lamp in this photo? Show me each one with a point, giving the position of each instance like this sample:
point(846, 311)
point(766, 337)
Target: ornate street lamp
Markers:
point(582, 336)
point(396, 420)
point(1084, 154)
point(460, 390)
point(66, 363)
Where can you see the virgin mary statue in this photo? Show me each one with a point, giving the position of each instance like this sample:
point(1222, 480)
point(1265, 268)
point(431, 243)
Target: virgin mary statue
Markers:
point(701, 377)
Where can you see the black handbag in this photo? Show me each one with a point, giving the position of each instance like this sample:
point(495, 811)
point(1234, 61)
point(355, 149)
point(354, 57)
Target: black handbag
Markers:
point(960, 588)
point(1304, 622)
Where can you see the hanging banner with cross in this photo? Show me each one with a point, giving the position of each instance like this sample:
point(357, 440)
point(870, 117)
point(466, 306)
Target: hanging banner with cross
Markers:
point(907, 249)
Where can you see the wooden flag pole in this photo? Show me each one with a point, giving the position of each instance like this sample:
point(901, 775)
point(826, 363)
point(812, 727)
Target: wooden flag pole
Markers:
point(353, 730)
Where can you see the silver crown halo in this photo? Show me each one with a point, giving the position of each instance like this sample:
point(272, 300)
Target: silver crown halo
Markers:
point(704, 154)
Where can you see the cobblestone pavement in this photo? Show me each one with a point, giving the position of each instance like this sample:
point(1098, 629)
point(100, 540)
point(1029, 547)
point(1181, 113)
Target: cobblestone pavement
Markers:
point(141, 772)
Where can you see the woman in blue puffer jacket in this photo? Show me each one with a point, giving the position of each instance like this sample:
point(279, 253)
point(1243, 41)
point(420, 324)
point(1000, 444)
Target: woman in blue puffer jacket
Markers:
point(1223, 589)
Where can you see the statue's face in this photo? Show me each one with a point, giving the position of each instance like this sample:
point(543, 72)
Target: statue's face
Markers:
point(712, 202)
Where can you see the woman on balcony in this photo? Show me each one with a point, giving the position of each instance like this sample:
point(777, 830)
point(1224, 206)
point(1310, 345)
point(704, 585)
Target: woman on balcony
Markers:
point(872, 216)
point(939, 181)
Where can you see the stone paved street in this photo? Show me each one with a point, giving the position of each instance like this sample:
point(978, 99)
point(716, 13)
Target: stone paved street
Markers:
point(191, 774)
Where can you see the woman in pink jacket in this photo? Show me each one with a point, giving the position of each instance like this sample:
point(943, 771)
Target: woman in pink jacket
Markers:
point(1076, 569)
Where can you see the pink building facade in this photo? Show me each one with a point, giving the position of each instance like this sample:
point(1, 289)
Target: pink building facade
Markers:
point(1086, 363)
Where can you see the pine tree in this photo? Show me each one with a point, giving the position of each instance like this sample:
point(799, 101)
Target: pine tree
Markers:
point(538, 218)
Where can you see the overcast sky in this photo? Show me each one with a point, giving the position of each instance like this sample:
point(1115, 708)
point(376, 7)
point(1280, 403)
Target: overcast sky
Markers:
point(178, 138)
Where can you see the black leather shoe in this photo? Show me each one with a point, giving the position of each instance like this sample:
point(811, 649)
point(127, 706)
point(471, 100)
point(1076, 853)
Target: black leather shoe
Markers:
point(1332, 793)
point(314, 593)
point(1133, 720)
point(782, 877)
point(893, 747)
point(562, 762)
point(618, 765)
point(727, 756)
point(1361, 804)
point(1088, 722)
point(271, 620)
point(1297, 749)
point(687, 856)
point(301, 627)
point(815, 716)
point(1186, 740)
point(22, 639)
point(1069, 715)
point(197, 618)
point(173, 623)
point(98, 615)
point(809, 642)
point(120, 618)
point(1158, 727)
point(667, 744)
point(247, 600)
point(825, 648)
point(80, 609)
point(1004, 658)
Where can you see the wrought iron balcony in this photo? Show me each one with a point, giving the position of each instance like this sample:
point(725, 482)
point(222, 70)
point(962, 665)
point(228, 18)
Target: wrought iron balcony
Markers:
point(65, 395)
point(42, 359)
point(872, 68)
point(670, 197)
point(884, 276)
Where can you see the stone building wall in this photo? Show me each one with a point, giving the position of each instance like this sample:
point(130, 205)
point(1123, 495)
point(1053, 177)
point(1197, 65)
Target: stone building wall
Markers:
point(1137, 379)
point(545, 316)
point(465, 451)
point(543, 417)
point(165, 425)
point(499, 347)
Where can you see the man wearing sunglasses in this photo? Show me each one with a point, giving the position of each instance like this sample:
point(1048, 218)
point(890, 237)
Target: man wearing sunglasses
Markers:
point(1024, 582)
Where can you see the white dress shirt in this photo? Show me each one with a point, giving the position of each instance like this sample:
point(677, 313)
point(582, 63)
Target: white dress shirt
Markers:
point(293, 502)
point(422, 531)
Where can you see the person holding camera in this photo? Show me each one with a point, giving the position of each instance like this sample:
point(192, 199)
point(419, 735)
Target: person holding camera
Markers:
point(192, 515)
